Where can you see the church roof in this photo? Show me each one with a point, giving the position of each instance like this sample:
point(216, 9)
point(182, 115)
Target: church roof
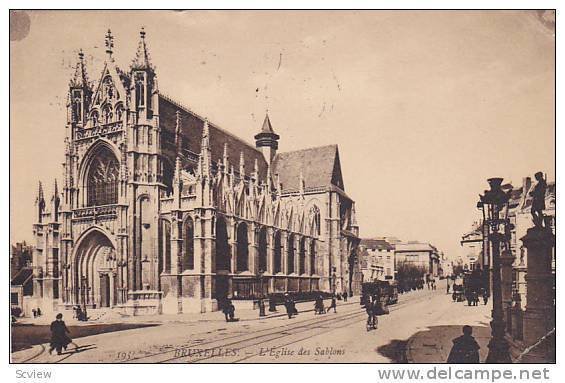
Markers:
point(267, 127)
point(22, 276)
point(192, 126)
point(318, 167)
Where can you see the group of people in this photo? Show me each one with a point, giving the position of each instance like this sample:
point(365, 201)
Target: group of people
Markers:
point(319, 307)
point(36, 312)
point(431, 283)
point(80, 313)
point(471, 288)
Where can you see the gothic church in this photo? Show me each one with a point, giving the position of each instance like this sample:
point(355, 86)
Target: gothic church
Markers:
point(162, 211)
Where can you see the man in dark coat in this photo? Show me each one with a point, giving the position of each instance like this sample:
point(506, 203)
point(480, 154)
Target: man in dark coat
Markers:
point(290, 306)
point(465, 348)
point(228, 309)
point(59, 337)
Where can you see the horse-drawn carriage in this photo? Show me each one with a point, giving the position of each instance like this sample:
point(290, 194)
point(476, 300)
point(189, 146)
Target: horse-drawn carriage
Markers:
point(387, 291)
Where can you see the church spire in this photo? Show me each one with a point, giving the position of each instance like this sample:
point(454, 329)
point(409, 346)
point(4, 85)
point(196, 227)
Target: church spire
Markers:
point(226, 157)
point(267, 140)
point(241, 166)
point(178, 131)
point(55, 203)
point(79, 79)
point(267, 127)
point(142, 58)
point(205, 154)
point(40, 202)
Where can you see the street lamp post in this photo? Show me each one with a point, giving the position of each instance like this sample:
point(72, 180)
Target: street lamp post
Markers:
point(495, 202)
point(261, 300)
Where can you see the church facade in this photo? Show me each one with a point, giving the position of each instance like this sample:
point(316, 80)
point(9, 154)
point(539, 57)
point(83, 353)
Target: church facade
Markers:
point(162, 211)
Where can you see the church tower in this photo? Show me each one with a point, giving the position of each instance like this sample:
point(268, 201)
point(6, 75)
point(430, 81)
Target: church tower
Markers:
point(79, 94)
point(267, 140)
point(143, 79)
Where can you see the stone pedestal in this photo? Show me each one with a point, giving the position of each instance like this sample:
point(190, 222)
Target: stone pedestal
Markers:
point(506, 261)
point(539, 314)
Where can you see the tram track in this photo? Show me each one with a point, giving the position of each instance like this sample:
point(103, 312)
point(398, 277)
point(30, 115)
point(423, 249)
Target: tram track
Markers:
point(316, 326)
point(281, 333)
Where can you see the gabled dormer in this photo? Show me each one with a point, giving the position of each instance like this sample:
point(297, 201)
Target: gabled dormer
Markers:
point(110, 95)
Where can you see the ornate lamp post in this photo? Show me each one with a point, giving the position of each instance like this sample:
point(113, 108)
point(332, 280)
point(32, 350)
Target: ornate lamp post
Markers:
point(495, 204)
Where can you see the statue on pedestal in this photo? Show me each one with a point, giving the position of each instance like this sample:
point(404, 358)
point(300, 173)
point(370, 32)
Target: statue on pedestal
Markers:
point(538, 202)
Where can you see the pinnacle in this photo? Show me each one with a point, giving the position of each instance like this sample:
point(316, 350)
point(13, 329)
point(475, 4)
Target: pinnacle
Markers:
point(80, 78)
point(142, 58)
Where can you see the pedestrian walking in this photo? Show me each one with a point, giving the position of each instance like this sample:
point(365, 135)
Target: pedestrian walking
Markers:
point(485, 295)
point(371, 308)
point(228, 309)
point(38, 312)
point(465, 348)
point(333, 305)
point(345, 297)
point(34, 312)
point(59, 338)
point(290, 306)
point(319, 305)
point(448, 286)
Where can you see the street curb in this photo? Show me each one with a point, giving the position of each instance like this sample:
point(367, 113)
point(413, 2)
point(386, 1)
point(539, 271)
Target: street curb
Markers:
point(408, 352)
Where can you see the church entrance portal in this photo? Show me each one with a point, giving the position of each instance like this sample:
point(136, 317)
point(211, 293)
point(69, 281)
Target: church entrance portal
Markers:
point(95, 272)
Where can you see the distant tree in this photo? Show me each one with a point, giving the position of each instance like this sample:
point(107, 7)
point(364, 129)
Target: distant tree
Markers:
point(408, 273)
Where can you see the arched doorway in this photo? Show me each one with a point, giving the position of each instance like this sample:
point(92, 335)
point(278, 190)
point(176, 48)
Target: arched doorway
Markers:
point(95, 271)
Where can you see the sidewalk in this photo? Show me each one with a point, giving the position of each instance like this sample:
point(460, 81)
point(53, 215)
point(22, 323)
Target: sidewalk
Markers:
point(433, 344)
point(211, 316)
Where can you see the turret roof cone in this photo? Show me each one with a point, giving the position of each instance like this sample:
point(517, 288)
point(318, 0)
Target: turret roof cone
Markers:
point(267, 127)
point(80, 78)
point(142, 58)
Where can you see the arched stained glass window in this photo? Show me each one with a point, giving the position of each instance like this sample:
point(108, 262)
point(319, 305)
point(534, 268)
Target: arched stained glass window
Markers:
point(102, 181)
point(315, 220)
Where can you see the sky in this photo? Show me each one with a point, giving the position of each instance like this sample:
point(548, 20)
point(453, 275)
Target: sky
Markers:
point(424, 105)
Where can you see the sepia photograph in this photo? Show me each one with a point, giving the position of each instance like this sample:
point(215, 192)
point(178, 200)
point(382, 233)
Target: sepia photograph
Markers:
point(282, 186)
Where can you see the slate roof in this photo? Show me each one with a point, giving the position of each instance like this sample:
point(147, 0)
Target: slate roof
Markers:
point(192, 126)
point(22, 277)
point(319, 166)
point(415, 246)
point(376, 244)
